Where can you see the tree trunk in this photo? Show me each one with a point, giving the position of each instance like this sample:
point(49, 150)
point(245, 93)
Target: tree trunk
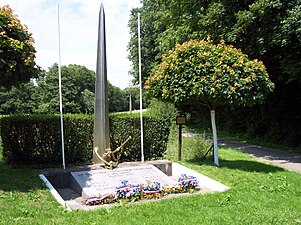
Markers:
point(214, 133)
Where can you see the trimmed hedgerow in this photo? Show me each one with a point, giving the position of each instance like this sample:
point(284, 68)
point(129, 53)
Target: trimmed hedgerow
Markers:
point(156, 132)
point(36, 139)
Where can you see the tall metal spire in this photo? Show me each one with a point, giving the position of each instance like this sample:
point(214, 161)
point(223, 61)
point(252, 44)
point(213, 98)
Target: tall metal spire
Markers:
point(101, 110)
point(60, 88)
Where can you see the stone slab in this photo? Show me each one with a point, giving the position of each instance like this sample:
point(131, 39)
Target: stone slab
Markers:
point(204, 181)
point(100, 182)
point(164, 165)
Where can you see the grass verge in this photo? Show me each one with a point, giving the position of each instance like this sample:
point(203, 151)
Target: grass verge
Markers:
point(242, 137)
point(259, 194)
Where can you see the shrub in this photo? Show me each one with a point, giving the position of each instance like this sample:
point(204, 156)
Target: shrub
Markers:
point(163, 110)
point(36, 139)
point(156, 132)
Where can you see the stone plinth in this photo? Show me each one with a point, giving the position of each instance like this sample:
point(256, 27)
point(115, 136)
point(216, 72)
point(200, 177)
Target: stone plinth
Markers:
point(100, 182)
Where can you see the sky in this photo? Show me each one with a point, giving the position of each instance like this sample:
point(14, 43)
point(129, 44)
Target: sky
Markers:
point(78, 28)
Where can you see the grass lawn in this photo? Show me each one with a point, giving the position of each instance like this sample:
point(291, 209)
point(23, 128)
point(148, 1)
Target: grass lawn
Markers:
point(259, 194)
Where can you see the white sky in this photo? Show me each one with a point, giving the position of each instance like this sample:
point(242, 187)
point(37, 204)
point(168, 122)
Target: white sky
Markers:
point(79, 27)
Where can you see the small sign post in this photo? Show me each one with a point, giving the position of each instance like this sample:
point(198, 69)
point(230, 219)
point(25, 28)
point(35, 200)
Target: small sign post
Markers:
point(180, 120)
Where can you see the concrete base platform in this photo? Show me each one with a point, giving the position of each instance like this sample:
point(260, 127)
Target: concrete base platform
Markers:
point(65, 189)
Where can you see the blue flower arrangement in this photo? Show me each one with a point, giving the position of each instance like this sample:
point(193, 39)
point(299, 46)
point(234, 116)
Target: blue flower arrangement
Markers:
point(130, 192)
point(188, 182)
point(152, 188)
point(127, 190)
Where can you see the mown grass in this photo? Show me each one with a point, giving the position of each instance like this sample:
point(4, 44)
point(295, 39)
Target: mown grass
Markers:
point(259, 194)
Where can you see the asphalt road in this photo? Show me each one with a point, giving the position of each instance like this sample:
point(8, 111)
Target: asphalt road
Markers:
point(281, 158)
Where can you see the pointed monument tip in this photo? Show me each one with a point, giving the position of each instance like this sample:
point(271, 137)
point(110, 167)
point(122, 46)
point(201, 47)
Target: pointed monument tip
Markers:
point(101, 11)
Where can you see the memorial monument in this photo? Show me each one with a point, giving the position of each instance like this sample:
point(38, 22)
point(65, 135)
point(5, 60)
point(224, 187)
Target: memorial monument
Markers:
point(102, 153)
point(101, 135)
point(98, 185)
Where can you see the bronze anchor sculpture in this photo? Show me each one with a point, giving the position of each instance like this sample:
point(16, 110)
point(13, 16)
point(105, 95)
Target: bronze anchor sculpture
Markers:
point(111, 158)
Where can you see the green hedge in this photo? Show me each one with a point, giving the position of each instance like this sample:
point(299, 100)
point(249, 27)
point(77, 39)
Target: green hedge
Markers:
point(36, 139)
point(156, 132)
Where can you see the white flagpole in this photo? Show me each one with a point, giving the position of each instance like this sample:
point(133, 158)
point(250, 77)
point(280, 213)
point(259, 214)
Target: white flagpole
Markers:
point(140, 82)
point(60, 87)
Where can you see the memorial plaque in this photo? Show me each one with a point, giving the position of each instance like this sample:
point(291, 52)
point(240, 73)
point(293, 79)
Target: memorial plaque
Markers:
point(100, 182)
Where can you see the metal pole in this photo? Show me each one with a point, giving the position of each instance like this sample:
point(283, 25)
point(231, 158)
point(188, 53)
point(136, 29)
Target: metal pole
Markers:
point(60, 88)
point(180, 143)
point(140, 81)
point(130, 102)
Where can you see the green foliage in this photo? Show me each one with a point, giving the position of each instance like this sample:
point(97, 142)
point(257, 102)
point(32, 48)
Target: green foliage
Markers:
point(163, 24)
point(213, 75)
point(257, 125)
point(266, 30)
point(262, 29)
point(78, 84)
point(194, 146)
point(164, 110)
point(156, 132)
point(36, 139)
point(134, 92)
point(17, 52)
point(118, 101)
point(1, 147)
point(17, 99)
point(149, 44)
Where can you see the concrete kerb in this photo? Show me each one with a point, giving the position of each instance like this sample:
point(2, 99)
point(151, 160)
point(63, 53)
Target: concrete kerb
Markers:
point(54, 193)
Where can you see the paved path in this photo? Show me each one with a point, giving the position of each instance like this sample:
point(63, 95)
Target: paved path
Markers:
point(284, 159)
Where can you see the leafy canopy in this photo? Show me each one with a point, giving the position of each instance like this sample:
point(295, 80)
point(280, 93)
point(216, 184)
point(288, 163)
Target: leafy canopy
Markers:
point(77, 90)
point(16, 50)
point(78, 86)
point(214, 75)
point(268, 30)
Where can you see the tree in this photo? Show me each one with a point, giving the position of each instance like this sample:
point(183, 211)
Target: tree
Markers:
point(78, 84)
point(153, 22)
point(134, 92)
point(17, 52)
point(19, 99)
point(117, 99)
point(88, 101)
point(41, 96)
point(265, 30)
point(200, 72)
point(78, 88)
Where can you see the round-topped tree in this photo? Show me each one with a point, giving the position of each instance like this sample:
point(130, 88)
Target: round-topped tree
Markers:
point(200, 72)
